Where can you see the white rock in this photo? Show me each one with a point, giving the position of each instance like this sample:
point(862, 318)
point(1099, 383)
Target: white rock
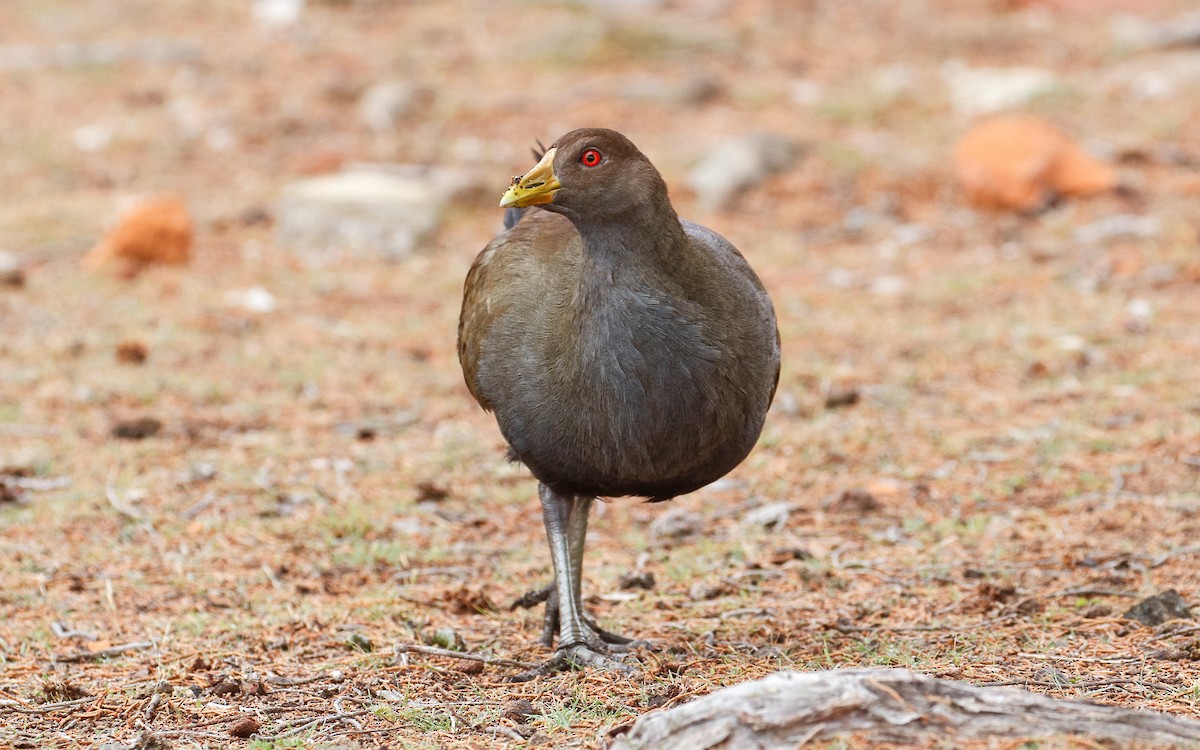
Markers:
point(92, 138)
point(889, 286)
point(981, 90)
point(255, 299)
point(805, 92)
point(277, 14)
point(769, 516)
point(1117, 226)
point(383, 211)
point(739, 164)
point(675, 523)
point(1182, 30)
point(1139, 310)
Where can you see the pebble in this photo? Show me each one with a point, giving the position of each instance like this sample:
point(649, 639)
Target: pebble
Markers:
point(1117, 226)
point(675, 524)
point(255, 299)
point(1181, 31)
point(976, 91)
point(11, 273)
point(772, 516)
point(277, 14)
point(155, 229)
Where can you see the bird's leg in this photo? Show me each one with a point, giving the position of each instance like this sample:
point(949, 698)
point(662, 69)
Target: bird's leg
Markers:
point(565, 518)
point(556, 514)
point(577, 520)
point(577, 523)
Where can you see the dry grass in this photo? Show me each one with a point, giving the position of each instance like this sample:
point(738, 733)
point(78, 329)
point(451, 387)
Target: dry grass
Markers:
point(1025, 445)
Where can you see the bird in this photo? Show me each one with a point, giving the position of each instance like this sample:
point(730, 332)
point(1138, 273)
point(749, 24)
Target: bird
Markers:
point(622, 350)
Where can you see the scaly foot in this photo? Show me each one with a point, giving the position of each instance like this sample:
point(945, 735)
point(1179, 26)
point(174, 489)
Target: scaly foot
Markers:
point(599, 639)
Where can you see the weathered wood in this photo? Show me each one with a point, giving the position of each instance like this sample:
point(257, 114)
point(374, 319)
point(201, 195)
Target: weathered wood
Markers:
point(787, 709)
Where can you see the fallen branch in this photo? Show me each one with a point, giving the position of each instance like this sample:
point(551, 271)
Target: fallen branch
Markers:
point(16, 707)
point(787, 709)
point(104, 653)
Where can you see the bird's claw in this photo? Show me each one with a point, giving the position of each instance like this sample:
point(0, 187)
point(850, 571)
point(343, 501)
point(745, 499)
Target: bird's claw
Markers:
point(598, 638)
point(577, 656)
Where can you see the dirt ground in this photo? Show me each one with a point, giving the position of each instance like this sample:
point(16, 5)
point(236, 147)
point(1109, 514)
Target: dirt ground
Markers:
point(985, 447)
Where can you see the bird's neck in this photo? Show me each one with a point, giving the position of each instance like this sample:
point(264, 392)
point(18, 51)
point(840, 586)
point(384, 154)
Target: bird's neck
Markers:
point(649, 238)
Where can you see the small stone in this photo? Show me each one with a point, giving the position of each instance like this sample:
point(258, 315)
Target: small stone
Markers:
point(855, 500)
point(772, 516)
point(388, 211)
point(446, 638)
point(255, 299)
point(984, 90)
point(1180, 31)
point(359, 642)
point(788, 554)
point(132, 352)
point(1096, 611)
point(277, 14)
point(1117, 226)
point(1022, 163)
point(244, 727)
point(11, 273)
point(136, 429)
point(703, 591)
point(519, 710)
point(736, 165)
point(675, 524)
point(889, 285)
point(643, 580)
point(1155, 610)
point(154, 230)
point(1137, 315)
point(844, 395)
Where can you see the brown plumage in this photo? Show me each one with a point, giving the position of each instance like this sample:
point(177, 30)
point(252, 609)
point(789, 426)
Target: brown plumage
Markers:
point(622, 350)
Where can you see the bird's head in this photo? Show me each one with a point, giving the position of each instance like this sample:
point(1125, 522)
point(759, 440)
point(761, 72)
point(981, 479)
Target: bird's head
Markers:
point(588, 174)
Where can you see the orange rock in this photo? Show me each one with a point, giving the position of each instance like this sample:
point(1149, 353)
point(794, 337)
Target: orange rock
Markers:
point(155, 230)
point(1022, 162)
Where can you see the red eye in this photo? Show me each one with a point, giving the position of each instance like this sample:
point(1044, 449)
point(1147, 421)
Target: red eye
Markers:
point(590, 158)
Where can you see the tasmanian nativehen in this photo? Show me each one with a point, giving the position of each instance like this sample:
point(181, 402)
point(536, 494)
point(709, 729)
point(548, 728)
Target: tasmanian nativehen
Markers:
point(624, 351)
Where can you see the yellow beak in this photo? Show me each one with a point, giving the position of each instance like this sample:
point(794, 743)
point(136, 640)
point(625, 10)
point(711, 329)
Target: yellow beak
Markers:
point(535, 187)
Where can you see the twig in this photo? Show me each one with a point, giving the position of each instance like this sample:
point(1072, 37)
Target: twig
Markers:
point(28, 430)
point(1086, 592)
point(47, 708)
point(310, 723)
point(505, 731)
point(402, 648)
point(842, 628)
point(65, 631)
point(1079, 685)
point(123, 508)
point(1088, 659)
point(291, 681)
point(152, 707)
point(39, 484)
point(1156, 562)
point(104, 652)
